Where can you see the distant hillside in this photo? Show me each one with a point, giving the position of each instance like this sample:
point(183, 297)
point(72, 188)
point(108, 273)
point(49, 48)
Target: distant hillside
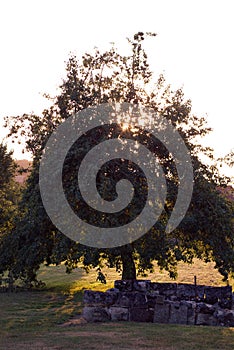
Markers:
point(22, 176)
point(24, 163)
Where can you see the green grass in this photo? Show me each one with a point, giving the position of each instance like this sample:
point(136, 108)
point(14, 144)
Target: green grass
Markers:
point(38, 319)
point(124, 336)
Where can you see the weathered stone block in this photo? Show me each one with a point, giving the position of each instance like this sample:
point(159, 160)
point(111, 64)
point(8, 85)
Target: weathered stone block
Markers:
point(191, 311)
point(173, 298)
point(139, 300)
point(221, 295)
point(225, 303)
point(111, 298)
point(119, 313)
point(141, 314)
point(94, 298)
point(225, 300)
point(200, 291)
point(161, 313)
point(229, 318)
point(205, 308)
point(141, 285)
point(205, 315)
point(160, 299)
point(125, 299)
point(191, 318)
point(212, 295)
point(226, 292)
point(166, 289)
point(206, 320)
point(151, 297)
point(124, 285)
point(96, 314)
point(186, 291)
point(178, 313)
point(225, 318)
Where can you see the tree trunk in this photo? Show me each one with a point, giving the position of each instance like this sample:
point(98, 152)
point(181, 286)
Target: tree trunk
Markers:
point(129, 268)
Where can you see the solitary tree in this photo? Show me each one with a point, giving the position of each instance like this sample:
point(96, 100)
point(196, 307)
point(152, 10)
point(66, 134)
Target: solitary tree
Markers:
point(206, 231)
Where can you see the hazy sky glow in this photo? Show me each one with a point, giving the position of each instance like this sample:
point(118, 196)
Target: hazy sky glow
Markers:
point(194, 48)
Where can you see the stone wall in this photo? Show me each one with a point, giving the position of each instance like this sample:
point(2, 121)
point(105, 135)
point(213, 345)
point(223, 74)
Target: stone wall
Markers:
point(146, 301)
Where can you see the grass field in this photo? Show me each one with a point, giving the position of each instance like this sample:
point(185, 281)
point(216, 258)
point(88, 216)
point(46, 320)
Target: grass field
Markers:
point(50, 319)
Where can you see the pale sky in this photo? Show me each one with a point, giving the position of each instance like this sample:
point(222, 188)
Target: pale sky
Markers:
point(193, 48)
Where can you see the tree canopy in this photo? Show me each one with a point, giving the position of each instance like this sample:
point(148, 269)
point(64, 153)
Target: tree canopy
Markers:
point(206, 231)
point(229, 158)
point(9, 191)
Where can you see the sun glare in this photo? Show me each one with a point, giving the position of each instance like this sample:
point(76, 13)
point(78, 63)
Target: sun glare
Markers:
point(125, 126)
point(135, 124)
point(141, 122)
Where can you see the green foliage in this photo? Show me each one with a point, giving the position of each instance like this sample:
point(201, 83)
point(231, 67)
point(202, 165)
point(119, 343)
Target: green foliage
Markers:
point(9, 190)
point(229, 158)
point(206, 231)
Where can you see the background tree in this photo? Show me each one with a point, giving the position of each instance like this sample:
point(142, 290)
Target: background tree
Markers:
point(207, 230)
point(9, 191)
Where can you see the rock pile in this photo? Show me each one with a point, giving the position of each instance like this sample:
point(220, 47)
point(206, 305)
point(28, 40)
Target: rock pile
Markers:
point(146, 301)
